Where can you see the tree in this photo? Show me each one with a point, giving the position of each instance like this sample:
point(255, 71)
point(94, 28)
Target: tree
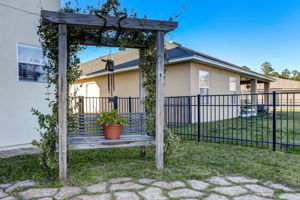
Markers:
point(296, 75)
point(285, 74)
point(246, 68)
point(275, 74)
point(266, 68)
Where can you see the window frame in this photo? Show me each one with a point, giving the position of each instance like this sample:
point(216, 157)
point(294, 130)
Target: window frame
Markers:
point(235, 89)
point(199, 71)
point(86, 88)
point(26, 62)
point(205, 96)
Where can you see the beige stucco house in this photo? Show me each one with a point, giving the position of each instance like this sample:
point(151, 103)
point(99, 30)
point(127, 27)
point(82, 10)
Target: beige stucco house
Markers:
point(282, 85)
point(289, 89)
point(188, 72)
point(21, 72)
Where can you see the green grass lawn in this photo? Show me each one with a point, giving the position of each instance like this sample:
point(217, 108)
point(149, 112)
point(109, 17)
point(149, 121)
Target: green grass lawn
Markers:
point(194, 160)
point(256, 128)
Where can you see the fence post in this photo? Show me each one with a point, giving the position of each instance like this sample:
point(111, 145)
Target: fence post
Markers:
point(115, 102)
point(198, 117)
point(190, 110)
point(129, 104)
point(274, 121)
point(81, 104)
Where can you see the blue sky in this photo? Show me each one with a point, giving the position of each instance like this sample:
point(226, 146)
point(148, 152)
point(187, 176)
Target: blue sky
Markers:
point(244, 32)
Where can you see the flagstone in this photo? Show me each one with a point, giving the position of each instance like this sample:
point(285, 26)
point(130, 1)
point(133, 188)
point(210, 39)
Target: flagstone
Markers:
point(241, 179)
point(3, 194)
point(290, 196)
point(66, 192)
point(251, 197)
point(277, 186)
point(126, 196)
point(185, 192)
point(9, 198)
point(231, 191)
point(119, 180)
point(260, 190)
point(93, 197)
point(5, 185)
point(38, 192)
point(146, 180)
point(217, 180)
point(216, 197)
point(126, 186)
point(169, 185)
point(100, 187)
point(26, 183)
point(152, 193)
point(198, 185)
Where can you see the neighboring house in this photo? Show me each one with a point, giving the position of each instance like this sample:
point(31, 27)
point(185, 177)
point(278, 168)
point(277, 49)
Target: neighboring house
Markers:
point(188, 72)
point(21, 72)
point(290, 90)
point(282, 85)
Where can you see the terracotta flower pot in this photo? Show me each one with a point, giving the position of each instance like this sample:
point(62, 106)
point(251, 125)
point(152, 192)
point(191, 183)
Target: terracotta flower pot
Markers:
point(113, 131)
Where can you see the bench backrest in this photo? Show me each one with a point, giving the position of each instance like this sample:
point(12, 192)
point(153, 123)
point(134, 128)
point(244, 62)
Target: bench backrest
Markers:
point(86, 124)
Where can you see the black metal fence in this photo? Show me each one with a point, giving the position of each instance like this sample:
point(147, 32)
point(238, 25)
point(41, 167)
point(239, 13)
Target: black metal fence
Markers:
point(268, 120)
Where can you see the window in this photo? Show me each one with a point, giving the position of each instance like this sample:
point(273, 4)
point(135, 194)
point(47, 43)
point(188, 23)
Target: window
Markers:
point(232, 84)
point(232, 89)
point(91, 90)
point(31, 64)
point(204, 85)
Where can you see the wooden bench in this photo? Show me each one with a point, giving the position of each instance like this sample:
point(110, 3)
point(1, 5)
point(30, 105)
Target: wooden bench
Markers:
point(85, 133)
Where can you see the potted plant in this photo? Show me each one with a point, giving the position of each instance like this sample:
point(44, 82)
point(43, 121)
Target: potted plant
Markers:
point(248, 111)
point(112, 123)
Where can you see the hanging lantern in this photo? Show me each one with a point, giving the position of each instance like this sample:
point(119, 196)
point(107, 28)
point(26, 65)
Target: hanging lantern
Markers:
point(111, 76)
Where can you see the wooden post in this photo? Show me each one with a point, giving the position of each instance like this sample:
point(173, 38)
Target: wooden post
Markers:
point(62, 100)
point(160, 101)
point(142, 103)
point(141, 91)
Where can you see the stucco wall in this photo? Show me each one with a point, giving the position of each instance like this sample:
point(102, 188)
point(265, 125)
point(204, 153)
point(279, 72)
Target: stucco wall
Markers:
point(181, 79)
point(17, 125)
point(127, 83)
point(218, 79)
point(218, 85)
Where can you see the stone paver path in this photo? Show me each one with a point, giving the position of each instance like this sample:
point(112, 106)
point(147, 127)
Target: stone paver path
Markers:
point(17, 152)
point(127, 188)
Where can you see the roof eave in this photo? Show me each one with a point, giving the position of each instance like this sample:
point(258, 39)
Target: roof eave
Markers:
point(200, 59)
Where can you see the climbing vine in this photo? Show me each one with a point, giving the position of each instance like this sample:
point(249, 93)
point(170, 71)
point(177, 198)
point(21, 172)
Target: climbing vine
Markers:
point(48, 33)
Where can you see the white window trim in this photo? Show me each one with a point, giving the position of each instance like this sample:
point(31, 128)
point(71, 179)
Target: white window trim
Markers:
point(199, 79)
point(86, 87)
point(232, 77)
point(17, 63)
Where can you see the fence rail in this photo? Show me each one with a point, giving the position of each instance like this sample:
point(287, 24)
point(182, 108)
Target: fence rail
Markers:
point(266, 120)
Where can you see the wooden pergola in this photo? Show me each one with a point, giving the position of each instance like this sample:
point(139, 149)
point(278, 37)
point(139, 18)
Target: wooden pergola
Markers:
point(92, 21)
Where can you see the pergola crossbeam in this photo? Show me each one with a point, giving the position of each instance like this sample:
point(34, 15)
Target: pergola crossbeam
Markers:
point(111, 43)
point(85, 20)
